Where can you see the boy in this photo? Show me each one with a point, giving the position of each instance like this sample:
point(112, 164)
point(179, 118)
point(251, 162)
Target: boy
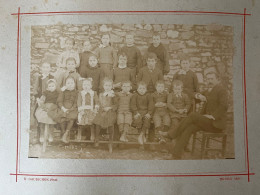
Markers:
point(70, 72)
point(142, 108)
point(178, 104)
point(124, 115)
point(161, 116)
point(134, 57)
point(161, 53)
point(150, 74)
point(107, 56)
point(123, 73)
point(188, 77)
point(94, 72)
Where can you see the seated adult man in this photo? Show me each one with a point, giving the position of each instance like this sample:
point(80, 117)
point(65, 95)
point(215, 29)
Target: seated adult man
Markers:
point(213, 119)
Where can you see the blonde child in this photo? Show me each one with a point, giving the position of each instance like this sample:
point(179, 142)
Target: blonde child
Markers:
point(161, 116)
point(142, 108)
point(94, 72)
point(87, 108)
point(67, 112)
point(107, 56)
point(161, 53)
point(84, 59)
point(106, 116)
point(123, 73)
point(70, 72)
point(178, 104)
point(46, 103)
point(134, 57)
point(124, 115)
point(62, 59)
point(150, 74)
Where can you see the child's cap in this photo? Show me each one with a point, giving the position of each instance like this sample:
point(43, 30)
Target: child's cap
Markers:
point(126, 82)
point(70, 59)
point(151, 55)
point(93, 55)
point(68, 78)
point(89, 79)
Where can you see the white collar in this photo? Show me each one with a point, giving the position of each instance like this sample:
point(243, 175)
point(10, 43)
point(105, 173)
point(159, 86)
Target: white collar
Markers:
point(121, 67)
point(109, 93)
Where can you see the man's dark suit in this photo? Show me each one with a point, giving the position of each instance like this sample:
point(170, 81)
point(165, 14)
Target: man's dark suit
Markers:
point(216, 105)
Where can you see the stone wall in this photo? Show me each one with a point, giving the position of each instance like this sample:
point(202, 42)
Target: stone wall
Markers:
point(209, 46)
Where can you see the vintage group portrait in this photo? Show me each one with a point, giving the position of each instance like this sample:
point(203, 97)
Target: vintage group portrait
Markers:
point(131, 91)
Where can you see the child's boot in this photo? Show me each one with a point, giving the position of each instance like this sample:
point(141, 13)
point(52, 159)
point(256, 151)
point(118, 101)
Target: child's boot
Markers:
point(92, 136)
point(65, 136)
point(79, 133)
point(41, 132)
point(140, 138)
point(50, 138)
point(110, 147)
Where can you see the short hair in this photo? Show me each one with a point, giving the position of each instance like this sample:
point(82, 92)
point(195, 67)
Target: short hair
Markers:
point(105, 33)
point(70, 39)
point(177, 83)
point(156, 34)
point(70, 78)
point(151, 55)
point(51, 81)
point(159, 82)
point(46, 63)
point(70, 59)
point(89, 79)
point(130, 33)
point(122, 54)
point(213, 72)
point(93, 55)
point(126, 82)
point(141, 83)
point(184, 57)
point(107, 80)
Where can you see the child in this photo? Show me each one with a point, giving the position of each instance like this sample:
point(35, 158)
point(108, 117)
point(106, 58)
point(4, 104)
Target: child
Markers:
point(122, 72)
point(188, 77)
point(84, 59)
point(46, 103)
point(178, 103)
point(124, 115)
point(94, 72)
point(161, 116)
point(150, 74)
point(62, 59)
point(106, 116)
point(107, 56)
point(87, 108)
point(142, 108)
point(161, 53)
point(70, 72)
point(40, 82)
point(134, 57)
point(67, 112)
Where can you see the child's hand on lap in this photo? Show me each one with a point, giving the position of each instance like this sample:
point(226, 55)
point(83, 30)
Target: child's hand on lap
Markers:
point(147, 116)
point(137, 115)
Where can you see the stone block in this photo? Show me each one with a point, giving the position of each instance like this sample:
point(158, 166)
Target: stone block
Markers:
point(157, 27)
point(172, 34)
point(187, 35)
point(42, 45)
point(206, 54)
point(191, 43)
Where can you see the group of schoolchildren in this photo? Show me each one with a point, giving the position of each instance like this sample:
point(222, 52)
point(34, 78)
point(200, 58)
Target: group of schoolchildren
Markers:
point(100, 89)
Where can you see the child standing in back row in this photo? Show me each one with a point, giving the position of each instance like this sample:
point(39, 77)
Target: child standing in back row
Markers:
point(107, 56)
point(62, 59)
point(134, 57)
point(161, 53)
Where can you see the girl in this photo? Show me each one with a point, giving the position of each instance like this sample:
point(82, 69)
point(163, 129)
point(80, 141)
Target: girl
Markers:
point(84, 58)
point(87, 108)
point(107, 56)
point(68, 53)
point(67, 112)
point(47, 102)
point(106, 116)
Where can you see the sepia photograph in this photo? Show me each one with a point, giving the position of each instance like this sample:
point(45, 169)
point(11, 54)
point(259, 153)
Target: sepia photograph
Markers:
point(131, 91)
